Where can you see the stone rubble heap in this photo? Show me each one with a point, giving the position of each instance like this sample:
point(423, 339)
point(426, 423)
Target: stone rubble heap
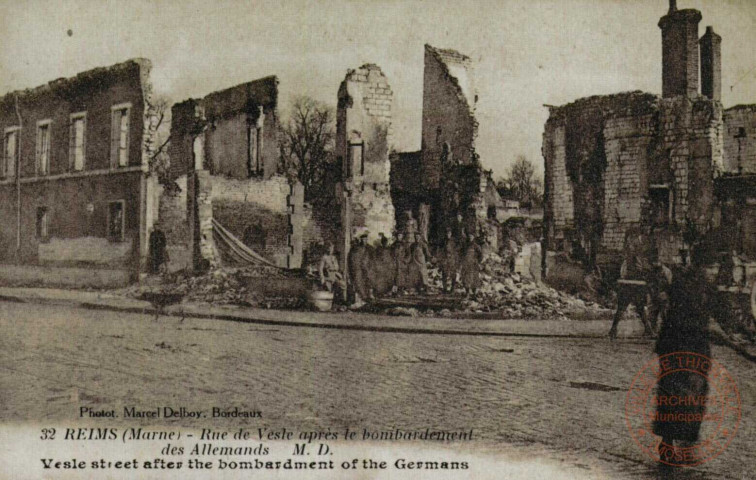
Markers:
point(222, 286)
point(513, 296)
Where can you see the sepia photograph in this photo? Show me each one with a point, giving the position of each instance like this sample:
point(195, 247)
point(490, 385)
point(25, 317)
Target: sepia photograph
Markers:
point(391, 239)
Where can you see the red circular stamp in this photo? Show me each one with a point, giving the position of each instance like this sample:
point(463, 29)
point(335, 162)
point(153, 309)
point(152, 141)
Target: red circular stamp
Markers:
point(683, 409)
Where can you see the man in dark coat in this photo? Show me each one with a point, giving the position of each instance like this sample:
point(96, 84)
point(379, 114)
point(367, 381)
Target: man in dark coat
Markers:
point(684, 329)
point(356, 260)
point(470, 265)
point(158, 252)
point(418, 263)
point(449, 263)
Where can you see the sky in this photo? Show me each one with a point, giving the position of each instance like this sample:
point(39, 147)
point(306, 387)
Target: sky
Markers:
point(527, 52)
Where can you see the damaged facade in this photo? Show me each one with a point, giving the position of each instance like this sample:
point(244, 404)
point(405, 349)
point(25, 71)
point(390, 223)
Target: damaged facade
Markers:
point(225, 155)
point(616, 163)
point(444, 183)
point(363, 136)
point(74, 186)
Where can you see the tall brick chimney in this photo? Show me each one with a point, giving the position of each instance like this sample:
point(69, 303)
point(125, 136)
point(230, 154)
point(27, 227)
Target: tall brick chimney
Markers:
point(711, 64)
point(679, 51)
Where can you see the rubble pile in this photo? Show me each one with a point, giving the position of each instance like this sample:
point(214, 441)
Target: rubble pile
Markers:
point(514, 296)
point(229, 286)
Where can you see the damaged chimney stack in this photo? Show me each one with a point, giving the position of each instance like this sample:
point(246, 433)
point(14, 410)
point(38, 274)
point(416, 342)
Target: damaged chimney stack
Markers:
point(711, 64)
point(680, 54)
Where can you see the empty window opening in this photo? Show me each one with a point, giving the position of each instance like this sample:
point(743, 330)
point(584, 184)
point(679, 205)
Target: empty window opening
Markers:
point(660, 205)
point(356, 157)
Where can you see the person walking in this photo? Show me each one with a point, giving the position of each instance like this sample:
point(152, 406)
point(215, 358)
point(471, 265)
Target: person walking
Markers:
point(685, 328)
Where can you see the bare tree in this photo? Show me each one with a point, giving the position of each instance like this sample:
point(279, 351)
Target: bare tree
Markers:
point(307, 142)
point(523, 183)
point(160, 121)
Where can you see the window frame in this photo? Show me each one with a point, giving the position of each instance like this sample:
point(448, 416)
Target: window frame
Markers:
point(38, 153)
point(16, 130)
point(350, 155)
point(116, 112)
point(73, 118)
point(110, 237)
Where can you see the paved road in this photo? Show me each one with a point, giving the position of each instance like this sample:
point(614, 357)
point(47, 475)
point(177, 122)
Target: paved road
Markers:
point(521, 393)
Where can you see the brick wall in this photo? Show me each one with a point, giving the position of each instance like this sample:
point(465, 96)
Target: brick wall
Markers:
point(449, 100)
point(740, 139)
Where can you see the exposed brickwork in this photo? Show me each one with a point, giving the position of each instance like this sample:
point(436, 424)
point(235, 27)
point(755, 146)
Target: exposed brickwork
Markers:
point(740, 139)
point(363, 137)
point(680, 55)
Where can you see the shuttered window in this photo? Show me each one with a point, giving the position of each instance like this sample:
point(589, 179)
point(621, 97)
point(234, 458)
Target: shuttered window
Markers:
point(119, 135)
point(77, 141)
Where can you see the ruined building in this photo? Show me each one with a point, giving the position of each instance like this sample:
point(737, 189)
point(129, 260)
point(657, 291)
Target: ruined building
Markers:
point(618, 162)
point(225, 160)
point(74, 183)
point(443, 184)
point(363, 136)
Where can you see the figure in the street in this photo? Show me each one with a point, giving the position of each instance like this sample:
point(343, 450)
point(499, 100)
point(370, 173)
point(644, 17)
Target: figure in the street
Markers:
point(158, 252)
point(685, 329)
point(410, 227)
point(644, 281)
point(329, 270)
point(418, 263)
point(356, 262)
point(404, 275)
point(449, 263)
point(470, 266)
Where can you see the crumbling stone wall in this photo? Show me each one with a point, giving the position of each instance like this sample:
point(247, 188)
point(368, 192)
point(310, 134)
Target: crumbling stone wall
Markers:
point(740, 139)
point(231, 120)
point(451, 171)
point(363, 138)
point(230, 138)
point(615, 156)
point(242, 206)
point(174, 223)
point(449, 102)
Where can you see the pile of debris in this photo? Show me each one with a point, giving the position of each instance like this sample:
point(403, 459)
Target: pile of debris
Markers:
point(512, 295)
point(226, 286)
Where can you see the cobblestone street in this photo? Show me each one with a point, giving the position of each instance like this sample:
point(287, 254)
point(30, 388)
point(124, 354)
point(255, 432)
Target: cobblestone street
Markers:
point(527, 393)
